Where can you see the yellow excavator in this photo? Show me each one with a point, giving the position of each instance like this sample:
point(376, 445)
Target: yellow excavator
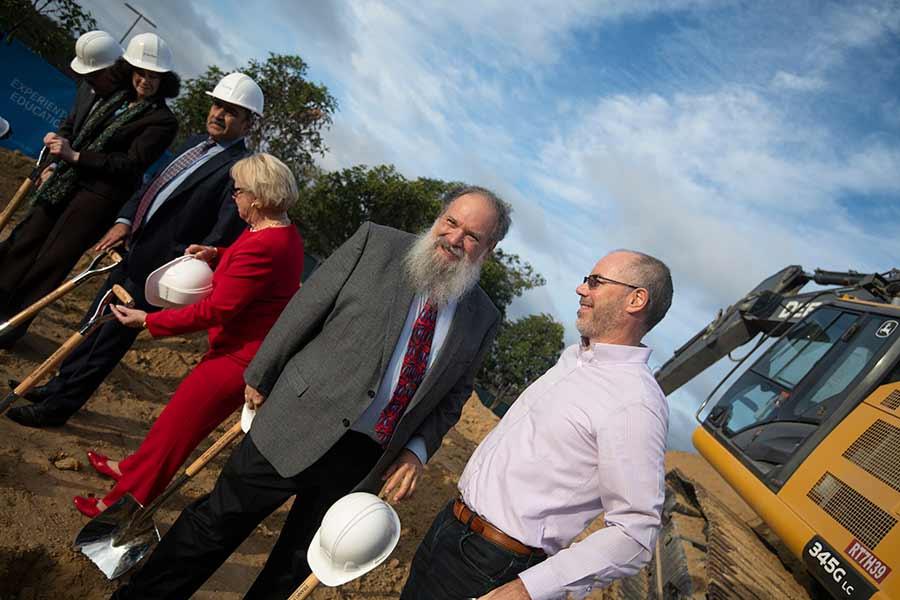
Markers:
point(807, 432)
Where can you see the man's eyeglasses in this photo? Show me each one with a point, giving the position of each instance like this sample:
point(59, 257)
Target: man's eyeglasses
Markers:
point(595, 280)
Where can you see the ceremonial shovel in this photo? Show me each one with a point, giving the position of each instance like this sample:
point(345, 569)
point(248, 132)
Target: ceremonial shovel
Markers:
point(23, 190)
point(65, 288)
point(120, 536)
point(63, 351)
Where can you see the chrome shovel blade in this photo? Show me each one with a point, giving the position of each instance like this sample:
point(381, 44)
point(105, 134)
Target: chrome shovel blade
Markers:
point(118, 538)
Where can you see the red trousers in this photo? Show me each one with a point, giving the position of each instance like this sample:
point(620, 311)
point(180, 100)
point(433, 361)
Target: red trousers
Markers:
point(211, 392)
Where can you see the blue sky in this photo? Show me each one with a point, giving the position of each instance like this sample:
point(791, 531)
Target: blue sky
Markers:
point(727, 138)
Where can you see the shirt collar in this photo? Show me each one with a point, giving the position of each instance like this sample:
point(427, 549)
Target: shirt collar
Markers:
point(229, 143)
point(613, 353)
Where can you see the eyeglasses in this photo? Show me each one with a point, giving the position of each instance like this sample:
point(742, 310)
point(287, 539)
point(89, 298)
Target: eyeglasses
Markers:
point(595, 280)
point(236, 191)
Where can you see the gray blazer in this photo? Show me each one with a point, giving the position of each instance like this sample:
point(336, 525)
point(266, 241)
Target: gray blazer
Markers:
point(324, 358)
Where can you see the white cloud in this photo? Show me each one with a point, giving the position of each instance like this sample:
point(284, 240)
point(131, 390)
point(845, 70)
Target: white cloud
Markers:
point(798, 83)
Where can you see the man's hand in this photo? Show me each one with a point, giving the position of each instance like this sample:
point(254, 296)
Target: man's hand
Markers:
point(401, 476)
point(116, 234)
point(514, 590)
point(204, 253)
point(252, 398)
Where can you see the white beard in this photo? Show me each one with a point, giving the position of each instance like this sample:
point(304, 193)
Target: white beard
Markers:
point(433, 276)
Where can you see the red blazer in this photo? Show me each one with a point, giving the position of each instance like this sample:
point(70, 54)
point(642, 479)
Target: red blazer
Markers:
point(254, 280)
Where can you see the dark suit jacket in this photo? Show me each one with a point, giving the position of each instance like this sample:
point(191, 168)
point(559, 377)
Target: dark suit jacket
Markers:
point(116, 171)
point(199, 211)
point(324, 358)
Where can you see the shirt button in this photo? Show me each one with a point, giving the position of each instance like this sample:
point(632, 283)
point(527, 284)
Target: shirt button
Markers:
point(371, 393)
point(346, 422)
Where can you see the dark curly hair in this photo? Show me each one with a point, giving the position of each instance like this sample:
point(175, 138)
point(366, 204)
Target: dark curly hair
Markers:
point(121, 72)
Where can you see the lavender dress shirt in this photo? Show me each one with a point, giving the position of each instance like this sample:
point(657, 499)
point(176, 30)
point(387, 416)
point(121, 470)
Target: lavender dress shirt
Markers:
point(588, 437)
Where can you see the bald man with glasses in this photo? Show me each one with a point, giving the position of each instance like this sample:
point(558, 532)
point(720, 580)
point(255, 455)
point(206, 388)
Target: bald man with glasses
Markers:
point(586, 438)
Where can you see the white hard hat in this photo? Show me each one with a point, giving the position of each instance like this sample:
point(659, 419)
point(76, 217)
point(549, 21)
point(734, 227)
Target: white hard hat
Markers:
point(358, 533)
point(149, 51)
point(95, 50)
point(5, 129)
point(239, 89)
point(179, 282)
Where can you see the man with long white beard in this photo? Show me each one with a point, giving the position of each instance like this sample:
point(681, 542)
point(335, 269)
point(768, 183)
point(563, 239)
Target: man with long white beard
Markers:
point(356, 384)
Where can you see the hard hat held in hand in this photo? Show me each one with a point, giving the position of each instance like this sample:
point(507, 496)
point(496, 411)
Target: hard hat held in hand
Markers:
point(239, 89)
point(95, 50)
point(149, 51)
point(179, 282)
point(358, 533)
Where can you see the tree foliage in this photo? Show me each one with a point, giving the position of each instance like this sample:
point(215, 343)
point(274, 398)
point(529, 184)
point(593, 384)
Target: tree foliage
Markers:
point(296, 110)
point(337, 203)
point(523, 351)
point(48, 27)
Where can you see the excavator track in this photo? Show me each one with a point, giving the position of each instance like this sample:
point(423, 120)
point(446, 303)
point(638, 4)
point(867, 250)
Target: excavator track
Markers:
point(706, 551)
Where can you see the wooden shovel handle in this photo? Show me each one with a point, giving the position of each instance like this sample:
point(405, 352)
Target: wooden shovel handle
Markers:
point(114, 256)
point(50, 364)
point(306, 588)
point(42, 303)
point(122, 294)
point(214, 449)
point(13, 204)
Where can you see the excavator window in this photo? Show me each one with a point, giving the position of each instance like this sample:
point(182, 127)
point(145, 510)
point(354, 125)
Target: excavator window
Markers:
point(780, 401)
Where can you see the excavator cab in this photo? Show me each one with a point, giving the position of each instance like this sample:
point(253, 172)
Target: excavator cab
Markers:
point(809, 435)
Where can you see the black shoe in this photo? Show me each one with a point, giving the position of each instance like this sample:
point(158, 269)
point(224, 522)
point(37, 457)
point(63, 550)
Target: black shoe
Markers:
point(36, 395)
point(36, 416)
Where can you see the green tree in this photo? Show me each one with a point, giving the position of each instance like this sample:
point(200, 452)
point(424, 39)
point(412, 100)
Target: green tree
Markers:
point(523, 351)
point(337, 203)
point(296, 110)
point(48, 27)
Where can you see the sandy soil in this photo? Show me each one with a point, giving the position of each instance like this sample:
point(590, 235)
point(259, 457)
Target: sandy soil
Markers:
point(41, 470)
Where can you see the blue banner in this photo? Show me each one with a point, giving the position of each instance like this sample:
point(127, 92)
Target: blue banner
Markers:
point(34, 97)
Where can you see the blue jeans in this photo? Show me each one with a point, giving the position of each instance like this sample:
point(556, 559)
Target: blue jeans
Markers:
point(455, 563)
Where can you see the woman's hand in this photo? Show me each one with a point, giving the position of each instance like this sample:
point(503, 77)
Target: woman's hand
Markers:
point(59, 146)
point(46, 173)
point(129, 317)
point(204, 253)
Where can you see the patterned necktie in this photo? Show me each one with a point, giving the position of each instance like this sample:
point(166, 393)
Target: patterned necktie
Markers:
point(168, 174)
point(412, 371)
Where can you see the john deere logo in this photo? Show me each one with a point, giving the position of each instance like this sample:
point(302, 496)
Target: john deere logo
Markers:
point(886, 329)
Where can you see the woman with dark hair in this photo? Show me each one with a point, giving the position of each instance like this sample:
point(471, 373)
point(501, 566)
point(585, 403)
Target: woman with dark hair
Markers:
point(120, 125)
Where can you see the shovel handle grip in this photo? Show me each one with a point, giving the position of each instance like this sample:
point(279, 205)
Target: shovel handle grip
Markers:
point(123, 295)
point(50, 364)
point(114, 256)
point(42, 303)
point(306, 588)
point(13, 205)
point(211, 452)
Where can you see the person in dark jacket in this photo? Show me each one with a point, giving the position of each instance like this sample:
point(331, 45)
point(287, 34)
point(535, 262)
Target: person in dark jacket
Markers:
point(187, 202)
point(114, 132)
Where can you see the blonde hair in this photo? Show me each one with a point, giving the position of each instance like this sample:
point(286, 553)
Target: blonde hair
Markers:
point(268, 179)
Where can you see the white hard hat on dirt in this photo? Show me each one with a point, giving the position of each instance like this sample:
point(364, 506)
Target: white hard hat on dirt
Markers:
point(358, 533)
point(5, 129)
point(179, 282)
point(149, 51)
point(239, 89)
point(95, 50)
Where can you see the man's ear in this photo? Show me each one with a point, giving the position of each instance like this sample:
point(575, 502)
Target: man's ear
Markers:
point(637, 300)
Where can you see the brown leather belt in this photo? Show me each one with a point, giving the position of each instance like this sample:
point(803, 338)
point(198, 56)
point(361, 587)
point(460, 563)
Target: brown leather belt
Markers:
point(465, 516)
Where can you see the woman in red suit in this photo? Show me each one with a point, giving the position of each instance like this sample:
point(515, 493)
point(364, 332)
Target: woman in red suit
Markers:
point(254, 279)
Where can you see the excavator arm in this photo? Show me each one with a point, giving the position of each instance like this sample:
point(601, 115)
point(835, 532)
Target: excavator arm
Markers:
point(770, 308)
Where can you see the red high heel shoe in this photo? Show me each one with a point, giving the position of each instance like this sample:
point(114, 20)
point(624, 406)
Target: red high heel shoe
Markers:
point(100, 462)
point(87, 506)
